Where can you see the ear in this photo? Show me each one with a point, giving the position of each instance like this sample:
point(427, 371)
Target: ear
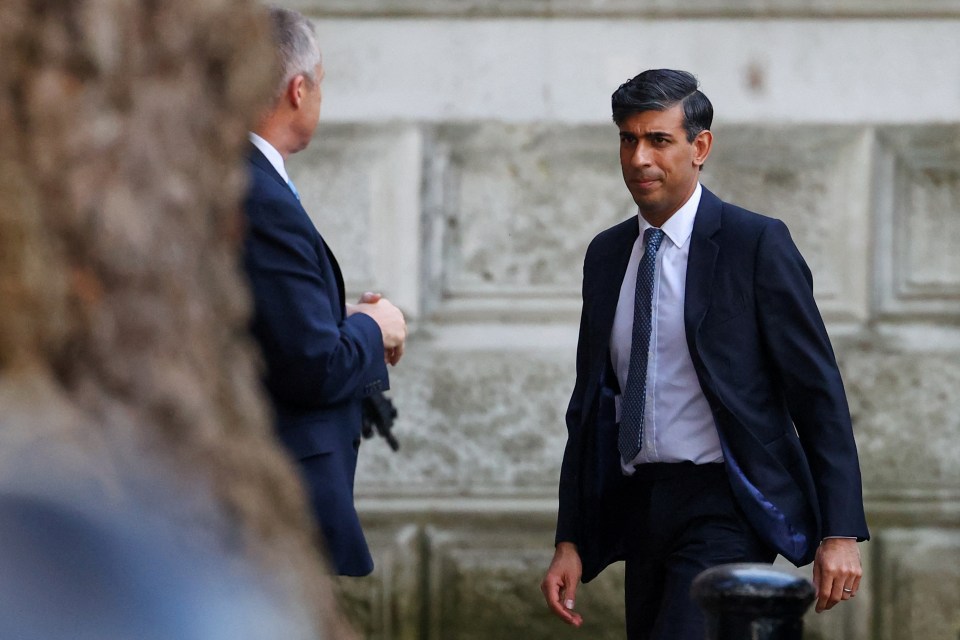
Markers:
point(701, 147)
point(296, 89)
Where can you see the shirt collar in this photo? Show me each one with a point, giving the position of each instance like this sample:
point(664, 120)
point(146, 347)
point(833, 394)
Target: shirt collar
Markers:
point(679, 226)
point(271, 154)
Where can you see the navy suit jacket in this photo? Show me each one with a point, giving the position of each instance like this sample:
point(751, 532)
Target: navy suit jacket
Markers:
point(766, 367)
point(320, 364)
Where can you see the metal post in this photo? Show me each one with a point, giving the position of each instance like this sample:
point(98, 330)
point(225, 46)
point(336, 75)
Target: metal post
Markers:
point(752, 602)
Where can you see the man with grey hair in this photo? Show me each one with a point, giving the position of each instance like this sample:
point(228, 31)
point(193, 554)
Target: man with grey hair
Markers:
point(323, 356)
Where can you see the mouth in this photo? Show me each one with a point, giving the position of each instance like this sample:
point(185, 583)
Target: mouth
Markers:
point(644, 184)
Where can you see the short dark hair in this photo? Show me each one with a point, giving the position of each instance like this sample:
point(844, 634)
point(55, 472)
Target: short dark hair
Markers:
point(659, 90)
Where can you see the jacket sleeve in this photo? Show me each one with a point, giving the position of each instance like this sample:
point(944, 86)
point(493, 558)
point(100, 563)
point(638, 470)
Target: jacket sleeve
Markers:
point(794, 334)
point(570, 502)
point(315, 356)
point(569, 506)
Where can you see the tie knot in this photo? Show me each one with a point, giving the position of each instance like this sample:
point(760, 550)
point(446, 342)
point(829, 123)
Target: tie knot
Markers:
point(652, 239)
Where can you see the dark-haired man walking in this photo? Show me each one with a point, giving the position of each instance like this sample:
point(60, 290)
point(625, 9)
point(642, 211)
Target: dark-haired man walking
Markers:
point(708, 423)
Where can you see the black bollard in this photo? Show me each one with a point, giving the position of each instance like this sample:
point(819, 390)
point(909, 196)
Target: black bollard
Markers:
point(752, 602)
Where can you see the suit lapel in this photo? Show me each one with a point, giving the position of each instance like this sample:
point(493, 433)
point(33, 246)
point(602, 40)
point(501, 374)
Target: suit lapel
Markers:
point(700, 264)
point(605, 285)
point(601, 293)
point(258, 159)
point(338, 275)
point(616, 255)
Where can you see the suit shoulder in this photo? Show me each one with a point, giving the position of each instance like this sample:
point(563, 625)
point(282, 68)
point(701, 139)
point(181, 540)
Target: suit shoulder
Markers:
point(263, 186)
point(618, 230)
point(749, 233)
point(613, 236)
point(740, 215)
point(270, 203)
point(736, 219)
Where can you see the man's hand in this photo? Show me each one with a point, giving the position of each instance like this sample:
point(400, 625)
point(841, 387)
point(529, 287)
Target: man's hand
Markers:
point(559, 586)
point(836, 571)
point(390, 320)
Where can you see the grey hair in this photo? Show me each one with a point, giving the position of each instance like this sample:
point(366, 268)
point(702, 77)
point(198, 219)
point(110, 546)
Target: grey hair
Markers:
point(295, 38)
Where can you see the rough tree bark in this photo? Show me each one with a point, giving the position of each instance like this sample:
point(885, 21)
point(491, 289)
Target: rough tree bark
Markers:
point(124, 355)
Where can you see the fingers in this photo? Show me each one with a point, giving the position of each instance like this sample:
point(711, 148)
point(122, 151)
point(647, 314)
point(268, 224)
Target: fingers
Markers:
point(392, 356)
point(559, 586)
point(829, 590)
point(569, 602)
point(829, 593)
point(561, 600)
point(393, 326)
point(550, 587)
point(849, 589)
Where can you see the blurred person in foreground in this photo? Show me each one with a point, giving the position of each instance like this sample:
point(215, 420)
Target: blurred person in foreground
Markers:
point(87, 559)
point(708, 423)
point(323, 356)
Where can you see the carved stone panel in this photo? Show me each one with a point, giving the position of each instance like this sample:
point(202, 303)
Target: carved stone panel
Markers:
point(474, 421)
point(521, 203)
point(815, 179)
point(905, 417)
point(361, 187)
point(919, 584)
point(386, 604)
point(918, 231)
point(484, 582)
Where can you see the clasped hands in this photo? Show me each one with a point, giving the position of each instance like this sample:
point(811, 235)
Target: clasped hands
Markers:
point(389, 318)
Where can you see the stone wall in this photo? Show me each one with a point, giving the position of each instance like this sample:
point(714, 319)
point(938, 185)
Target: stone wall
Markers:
point(465, 161)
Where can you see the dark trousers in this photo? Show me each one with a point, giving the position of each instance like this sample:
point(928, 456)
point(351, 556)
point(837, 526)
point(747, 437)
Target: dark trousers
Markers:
point(683, 519)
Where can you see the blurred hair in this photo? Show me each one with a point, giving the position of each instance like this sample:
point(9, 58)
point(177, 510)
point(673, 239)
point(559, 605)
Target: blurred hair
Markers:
point(659, 90)
point(296, 42)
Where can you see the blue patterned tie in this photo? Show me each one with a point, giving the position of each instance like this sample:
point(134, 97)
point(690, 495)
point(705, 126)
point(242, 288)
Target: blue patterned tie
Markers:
point(634, 396)
point(293, 188)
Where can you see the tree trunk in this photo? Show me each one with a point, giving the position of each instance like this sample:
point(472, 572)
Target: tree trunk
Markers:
point(125, 363)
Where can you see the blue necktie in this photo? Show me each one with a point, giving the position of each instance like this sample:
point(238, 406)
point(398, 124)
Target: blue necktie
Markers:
point(634, 396)
point(293, 188)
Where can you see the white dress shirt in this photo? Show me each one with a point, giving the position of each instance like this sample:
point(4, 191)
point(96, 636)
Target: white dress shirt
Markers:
point(678, 425)
point(272, 155)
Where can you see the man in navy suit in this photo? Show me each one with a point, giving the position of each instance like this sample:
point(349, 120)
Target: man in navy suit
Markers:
point(323, 356)
point(708, 423)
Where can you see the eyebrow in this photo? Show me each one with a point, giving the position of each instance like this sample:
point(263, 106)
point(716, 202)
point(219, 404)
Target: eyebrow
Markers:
point(648, 134)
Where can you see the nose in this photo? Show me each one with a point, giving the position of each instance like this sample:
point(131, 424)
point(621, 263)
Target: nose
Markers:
point(641, 155)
